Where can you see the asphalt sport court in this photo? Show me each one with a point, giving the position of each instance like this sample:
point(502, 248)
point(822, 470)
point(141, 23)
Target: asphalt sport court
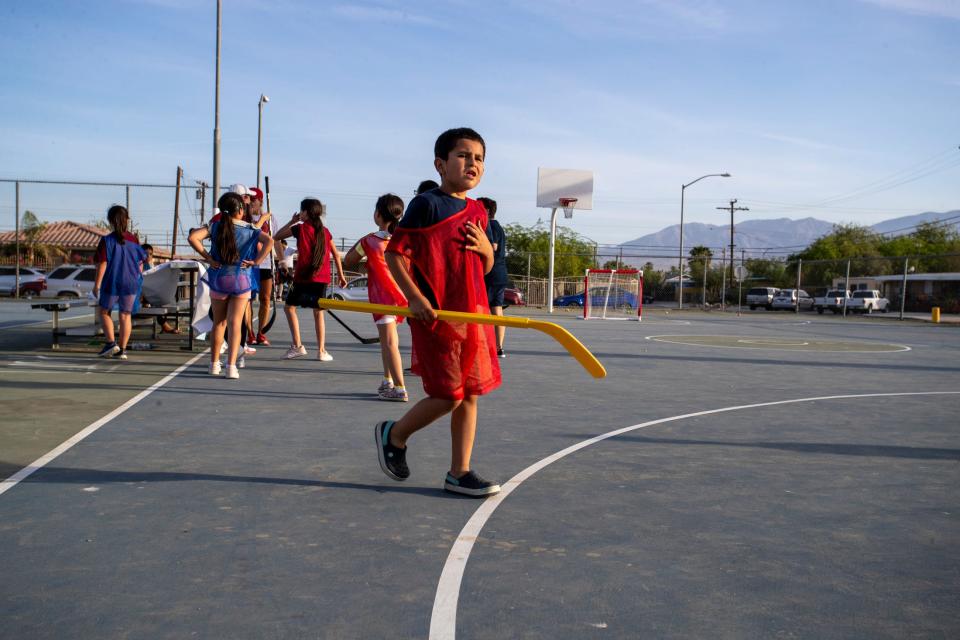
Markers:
point(700, 490)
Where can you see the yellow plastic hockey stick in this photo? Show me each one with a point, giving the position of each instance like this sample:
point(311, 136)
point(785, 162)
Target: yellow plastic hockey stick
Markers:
point(573, 346)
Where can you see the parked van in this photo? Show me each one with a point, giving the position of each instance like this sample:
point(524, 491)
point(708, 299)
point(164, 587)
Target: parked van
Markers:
point(761, 297)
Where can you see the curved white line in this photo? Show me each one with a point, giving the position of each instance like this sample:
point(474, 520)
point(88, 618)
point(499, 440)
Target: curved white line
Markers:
point(661, 338)
point(760, 341)
point(443, 620)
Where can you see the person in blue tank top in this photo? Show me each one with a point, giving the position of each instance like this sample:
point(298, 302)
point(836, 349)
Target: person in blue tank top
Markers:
point(119, 281)
point(232, 256)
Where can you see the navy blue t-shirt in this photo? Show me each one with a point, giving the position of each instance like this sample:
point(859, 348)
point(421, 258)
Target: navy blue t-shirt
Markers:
point(426, 210)
point(429, 208)
point(498, 274)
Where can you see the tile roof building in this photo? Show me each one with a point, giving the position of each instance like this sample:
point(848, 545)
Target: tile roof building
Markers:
point(66, 234)
point(74, 242)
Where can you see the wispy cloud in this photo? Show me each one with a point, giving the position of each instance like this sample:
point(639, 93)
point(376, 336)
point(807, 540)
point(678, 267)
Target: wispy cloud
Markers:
point(366, 13)
point(938, 8)
point(803, 142)
point(631, 17)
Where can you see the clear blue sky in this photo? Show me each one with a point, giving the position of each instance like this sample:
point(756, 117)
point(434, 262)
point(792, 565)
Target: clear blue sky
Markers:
point(803, 102)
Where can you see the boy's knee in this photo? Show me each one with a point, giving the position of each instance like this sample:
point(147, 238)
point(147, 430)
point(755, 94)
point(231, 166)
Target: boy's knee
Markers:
point(448, 404)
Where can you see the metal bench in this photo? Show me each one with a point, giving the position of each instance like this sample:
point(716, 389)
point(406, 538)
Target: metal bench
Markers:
point(55, 307)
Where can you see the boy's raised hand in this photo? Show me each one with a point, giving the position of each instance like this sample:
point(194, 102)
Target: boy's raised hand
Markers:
point(475, 239)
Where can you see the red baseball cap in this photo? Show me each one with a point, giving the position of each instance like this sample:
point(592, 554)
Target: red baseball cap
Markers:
point(255, 193)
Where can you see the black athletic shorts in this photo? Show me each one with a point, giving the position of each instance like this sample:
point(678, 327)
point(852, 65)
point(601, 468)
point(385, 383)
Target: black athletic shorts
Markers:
point(306, 294)
point(495, 295)
point(265, 274)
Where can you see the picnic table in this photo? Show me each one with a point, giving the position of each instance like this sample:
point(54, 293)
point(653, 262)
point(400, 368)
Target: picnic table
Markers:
point(162, 291)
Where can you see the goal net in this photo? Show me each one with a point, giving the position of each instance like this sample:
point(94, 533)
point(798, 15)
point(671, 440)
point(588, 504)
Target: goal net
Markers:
point(613, 294)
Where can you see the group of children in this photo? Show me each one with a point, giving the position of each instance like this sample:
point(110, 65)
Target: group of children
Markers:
point(436, 255)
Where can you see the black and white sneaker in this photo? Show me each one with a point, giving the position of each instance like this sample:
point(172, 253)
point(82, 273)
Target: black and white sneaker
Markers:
point(393, 460)
point(108, 350)
point(500, 353)
point(470, 484)
point(121, 354)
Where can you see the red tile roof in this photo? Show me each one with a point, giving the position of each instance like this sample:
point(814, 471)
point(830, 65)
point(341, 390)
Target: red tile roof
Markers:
point(71, 235)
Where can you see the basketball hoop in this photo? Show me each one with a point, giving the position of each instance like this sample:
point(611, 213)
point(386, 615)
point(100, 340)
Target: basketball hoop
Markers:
point(567, 205)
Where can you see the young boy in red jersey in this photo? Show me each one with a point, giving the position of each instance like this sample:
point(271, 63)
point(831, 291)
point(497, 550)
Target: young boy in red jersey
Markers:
point(438, 256)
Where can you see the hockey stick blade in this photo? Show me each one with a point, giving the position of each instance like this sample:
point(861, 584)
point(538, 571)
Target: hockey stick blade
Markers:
point(351, 331)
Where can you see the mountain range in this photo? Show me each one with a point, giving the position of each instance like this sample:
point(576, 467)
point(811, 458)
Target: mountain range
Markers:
point(779, 236)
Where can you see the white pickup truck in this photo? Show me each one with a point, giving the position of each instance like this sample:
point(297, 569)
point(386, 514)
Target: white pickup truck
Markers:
point(832, 301)
point(867, 301)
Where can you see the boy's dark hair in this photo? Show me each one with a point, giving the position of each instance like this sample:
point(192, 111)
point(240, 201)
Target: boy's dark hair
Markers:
point(426, 185)
point(226, 241)
point(489, 205)
point(390, 209)
point(147, 246)
point(119, 221)
point(314, 210)
point(449, 138)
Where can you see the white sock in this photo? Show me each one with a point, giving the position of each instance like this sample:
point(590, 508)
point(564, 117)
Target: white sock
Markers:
point(387, 381)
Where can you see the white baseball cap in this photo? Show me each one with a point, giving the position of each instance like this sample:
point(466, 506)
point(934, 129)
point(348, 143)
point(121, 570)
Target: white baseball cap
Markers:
point(240, 190)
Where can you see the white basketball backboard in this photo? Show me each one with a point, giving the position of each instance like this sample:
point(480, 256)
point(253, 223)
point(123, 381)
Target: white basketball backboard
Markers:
point(554, 184)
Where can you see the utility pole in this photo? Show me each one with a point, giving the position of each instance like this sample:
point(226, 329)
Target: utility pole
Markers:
point(176, 215)
point(202, 193)
point(732, 208)
point(723, 281)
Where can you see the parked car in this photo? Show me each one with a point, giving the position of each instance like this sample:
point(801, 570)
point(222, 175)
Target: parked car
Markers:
point(787, 299)
point(618, 297)
point(28, 276)
point(761, 297)
point(70, 281)
point(33, 288)
point(513, 296)
point(355, 290)
point(868, 301)
point(832, 301)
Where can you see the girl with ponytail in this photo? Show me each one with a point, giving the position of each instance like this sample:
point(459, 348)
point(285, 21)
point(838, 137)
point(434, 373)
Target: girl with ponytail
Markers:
point(119, 280)
point(232, 256)
point(311, 276)
point(383, 289)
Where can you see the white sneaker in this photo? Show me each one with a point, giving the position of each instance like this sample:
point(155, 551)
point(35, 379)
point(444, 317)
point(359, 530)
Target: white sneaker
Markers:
point(323, 356)
point(231, 372)
point(223, 347)
point(215, 368)
point(249, 350)
point(295, 352)
point(241, 362)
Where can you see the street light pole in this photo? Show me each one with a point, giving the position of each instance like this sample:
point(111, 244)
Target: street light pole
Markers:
point(216, 111)
point(263, 100)
point(683, 189)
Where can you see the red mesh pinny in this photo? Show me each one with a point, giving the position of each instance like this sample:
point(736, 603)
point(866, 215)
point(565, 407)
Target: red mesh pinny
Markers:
point(381, 287)
point(453, 359)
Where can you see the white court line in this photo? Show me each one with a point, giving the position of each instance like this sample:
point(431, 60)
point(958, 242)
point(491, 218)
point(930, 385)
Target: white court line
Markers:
point(443, 620)
point(51, 455)
point(31, 324)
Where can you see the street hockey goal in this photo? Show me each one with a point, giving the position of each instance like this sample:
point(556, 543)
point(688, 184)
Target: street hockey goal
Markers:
point(613, 294)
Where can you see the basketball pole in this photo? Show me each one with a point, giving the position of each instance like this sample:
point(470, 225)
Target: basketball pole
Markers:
point(553, 242)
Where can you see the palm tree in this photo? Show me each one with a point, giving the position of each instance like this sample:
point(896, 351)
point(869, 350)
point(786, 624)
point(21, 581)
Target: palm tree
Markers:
point(32, 230)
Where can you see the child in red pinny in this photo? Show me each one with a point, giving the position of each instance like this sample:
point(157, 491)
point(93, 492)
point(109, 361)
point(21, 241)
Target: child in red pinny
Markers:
point(438, 256)
point(382, 289)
